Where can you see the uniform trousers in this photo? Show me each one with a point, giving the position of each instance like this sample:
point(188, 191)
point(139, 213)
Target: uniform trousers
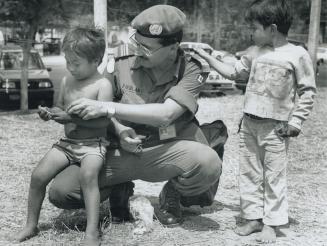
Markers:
point(262, 172)
point(192, 166)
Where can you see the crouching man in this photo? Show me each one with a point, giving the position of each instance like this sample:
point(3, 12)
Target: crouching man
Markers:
point(156, 87)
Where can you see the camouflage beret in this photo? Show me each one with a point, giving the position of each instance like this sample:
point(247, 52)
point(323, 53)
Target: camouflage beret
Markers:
point(159, 21)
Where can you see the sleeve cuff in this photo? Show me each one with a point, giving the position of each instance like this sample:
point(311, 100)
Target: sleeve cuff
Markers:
point(296, 122)
point(184, 98)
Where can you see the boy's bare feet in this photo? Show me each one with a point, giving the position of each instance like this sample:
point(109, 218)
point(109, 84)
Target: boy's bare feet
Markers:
point(249, 227)
point(267, 235)
point(25, 234)
point(91, 239)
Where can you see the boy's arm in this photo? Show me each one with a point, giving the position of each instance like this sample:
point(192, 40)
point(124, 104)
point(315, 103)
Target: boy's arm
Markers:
point(58, 112)
point(225, 70)
point(48, 114)
point(306, 89)
point(238, 71)
point(61, 100)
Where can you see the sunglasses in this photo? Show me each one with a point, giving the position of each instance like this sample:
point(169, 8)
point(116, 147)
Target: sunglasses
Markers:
point(140, 48)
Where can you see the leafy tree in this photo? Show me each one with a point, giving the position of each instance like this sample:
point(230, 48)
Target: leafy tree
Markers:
point(28, 16)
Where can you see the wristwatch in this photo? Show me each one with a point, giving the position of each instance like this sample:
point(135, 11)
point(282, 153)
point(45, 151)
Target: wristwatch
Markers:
point(111, 111)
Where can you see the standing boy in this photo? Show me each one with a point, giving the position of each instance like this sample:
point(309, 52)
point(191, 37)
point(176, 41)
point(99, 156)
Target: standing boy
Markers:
point(277, 71)
point(84, 142)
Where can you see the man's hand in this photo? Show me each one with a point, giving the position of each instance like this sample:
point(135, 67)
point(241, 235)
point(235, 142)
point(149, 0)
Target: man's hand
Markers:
point(61, 117)
point(130, 141)
point(87, 108)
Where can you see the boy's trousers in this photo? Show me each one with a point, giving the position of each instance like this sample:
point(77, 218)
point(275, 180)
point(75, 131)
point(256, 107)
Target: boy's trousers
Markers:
point(263, 163)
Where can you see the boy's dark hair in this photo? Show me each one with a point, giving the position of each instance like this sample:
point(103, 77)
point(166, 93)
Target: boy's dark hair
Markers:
point(268, 12)
point(176, 38)
point(87, 43)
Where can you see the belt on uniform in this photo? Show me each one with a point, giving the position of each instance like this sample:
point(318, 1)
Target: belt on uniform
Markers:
point(254, 117)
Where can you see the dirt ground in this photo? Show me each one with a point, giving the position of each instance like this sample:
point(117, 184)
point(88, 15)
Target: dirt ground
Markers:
point(25, 138)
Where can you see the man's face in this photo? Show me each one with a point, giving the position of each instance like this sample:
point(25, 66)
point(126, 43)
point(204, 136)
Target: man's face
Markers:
point(261, 35)
point(150, 52)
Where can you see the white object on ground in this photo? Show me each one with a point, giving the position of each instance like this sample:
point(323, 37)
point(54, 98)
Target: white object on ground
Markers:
point(142, 212)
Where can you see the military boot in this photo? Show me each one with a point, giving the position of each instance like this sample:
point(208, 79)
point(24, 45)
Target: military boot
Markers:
point(119, 196)
point(169, 212)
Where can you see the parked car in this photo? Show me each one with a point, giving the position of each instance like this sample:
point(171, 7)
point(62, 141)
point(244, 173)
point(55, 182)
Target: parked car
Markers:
point(40, 87)
point(215, 83)
point(298, 43)
point(51, 46)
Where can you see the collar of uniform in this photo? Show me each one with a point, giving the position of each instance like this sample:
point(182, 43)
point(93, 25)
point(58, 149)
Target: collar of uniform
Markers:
point(134, 64)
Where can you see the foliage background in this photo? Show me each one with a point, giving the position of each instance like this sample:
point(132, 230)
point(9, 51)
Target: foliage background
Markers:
point(220, 21)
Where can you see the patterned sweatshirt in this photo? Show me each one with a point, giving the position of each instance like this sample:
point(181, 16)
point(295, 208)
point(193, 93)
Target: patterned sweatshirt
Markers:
point(275, 76)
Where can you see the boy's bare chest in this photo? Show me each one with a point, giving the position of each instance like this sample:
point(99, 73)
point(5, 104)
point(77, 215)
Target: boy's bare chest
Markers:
point(72, 93)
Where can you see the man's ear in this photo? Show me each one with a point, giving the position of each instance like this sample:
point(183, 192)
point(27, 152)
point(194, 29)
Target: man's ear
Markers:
point(175, 47)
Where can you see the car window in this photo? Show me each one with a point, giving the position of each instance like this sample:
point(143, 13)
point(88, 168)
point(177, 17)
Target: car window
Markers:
point(13, 61)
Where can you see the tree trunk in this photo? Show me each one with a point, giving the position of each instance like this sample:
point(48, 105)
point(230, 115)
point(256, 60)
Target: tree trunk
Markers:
point(100, 16)
point(217, 24)
point(26, 46)
point(199, 21)
point(314, 29)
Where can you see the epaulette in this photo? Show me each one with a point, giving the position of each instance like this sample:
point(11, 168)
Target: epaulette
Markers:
point(205, 67)
point(123, 50)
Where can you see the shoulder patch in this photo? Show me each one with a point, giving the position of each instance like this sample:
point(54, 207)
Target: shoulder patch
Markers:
point(200, 78)
point(112, 54)
point(205, 67)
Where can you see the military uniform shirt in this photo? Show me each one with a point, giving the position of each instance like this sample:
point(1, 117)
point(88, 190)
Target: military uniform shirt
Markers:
point(134, 84)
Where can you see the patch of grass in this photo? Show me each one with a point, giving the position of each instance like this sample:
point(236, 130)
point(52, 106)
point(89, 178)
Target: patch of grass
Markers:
point(24, 139)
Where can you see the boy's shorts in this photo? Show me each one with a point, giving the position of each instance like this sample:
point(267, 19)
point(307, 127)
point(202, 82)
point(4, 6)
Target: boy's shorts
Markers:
point(77, 149)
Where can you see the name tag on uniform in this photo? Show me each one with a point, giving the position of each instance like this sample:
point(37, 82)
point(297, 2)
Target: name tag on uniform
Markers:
point(166, 132)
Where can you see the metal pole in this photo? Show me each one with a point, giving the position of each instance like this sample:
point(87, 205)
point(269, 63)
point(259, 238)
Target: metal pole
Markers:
point(199, 22)
point(217, 24)
point(314, 29)
point(100, 16)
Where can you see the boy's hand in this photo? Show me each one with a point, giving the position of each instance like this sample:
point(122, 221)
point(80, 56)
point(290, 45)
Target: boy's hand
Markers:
point(285, 130)
point(44, 113)
point(61, 117)
point(292, 131)
point(201, 52)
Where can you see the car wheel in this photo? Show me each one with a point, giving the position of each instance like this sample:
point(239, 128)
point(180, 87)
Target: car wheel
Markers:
point(206, 94)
